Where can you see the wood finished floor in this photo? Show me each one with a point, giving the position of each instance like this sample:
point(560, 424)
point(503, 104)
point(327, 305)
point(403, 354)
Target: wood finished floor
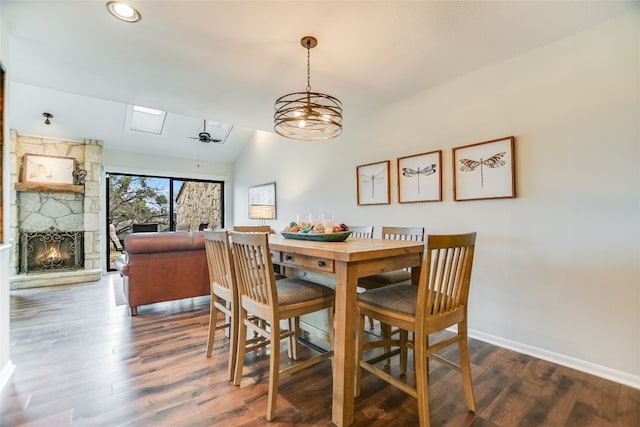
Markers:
point(83, 361)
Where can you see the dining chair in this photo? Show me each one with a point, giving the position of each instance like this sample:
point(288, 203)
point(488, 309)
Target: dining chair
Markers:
point(361, 231)
point(438, 302)
point(397, 276)
point(224, 293)
point(279, 270)
point(272, 301)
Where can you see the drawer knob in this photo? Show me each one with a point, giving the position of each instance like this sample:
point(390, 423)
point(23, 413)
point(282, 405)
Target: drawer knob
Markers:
point(287, 257)
point(321, 263)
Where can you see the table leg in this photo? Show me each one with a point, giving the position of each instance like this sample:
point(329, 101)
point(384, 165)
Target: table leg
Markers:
point(344, 345)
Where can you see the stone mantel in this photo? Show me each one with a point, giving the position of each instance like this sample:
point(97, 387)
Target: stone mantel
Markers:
point(49, 188)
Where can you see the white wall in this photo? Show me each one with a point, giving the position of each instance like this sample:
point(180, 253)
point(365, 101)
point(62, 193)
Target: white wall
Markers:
point(557, 268)
point(6, 366)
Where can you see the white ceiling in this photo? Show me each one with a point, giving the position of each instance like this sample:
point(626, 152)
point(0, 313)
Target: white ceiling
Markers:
point(229, 60)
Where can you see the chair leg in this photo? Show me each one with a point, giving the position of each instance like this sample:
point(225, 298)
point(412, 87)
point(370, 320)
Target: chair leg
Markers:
point(241, 346)
point(294, 344)
point(465, 366)
point(274, 372)
point(213, 317)
point(371, 327)
point(421, 363)
point(386, 334)
point(233, 343)
point(359, 347)
point(404, 338)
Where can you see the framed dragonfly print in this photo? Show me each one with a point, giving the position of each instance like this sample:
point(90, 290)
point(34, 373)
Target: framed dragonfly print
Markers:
point(373, 183)
point(484, 170)
point(420, 178)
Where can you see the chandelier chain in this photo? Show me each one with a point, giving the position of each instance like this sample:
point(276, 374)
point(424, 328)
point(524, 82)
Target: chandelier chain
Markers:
point(308, 66)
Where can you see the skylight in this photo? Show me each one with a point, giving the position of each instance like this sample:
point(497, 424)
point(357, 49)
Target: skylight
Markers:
point(144, 119)
point(219, 130)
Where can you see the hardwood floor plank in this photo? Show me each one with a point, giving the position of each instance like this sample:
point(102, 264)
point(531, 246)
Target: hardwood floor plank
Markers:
point(83, 361)
point(628, 411)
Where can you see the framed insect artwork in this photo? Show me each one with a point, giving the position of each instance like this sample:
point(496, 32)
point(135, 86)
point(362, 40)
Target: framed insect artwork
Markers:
point(373, 183)
point(420, 178)
point(484, 170)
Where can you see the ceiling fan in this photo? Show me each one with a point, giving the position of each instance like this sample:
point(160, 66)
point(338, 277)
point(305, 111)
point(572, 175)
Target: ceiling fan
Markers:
point(205, 136)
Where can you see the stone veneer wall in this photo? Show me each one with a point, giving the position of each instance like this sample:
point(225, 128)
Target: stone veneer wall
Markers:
point(194, 205)
point(37, 211)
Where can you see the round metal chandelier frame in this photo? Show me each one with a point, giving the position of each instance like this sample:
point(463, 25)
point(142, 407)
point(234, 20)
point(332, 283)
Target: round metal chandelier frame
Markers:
point(308, 116)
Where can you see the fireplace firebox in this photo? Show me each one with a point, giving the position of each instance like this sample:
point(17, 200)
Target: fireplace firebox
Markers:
point(51, 251)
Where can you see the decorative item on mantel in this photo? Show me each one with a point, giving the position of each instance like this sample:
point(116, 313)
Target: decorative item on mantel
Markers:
point(308, 116)
point(79, 176)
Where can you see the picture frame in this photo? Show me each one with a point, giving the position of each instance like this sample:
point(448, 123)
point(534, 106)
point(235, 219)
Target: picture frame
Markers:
point(373, 183)
point(420, 177)
point(39, 168)
point(485, 170)
point(262, 201)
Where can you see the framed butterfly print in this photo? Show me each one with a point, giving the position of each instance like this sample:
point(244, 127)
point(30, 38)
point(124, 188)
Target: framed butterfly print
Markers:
point(373, 183)
point(420, 178)
point(484, 170)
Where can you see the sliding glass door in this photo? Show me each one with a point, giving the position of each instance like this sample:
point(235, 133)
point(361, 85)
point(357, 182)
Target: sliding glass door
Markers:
point(138, 203)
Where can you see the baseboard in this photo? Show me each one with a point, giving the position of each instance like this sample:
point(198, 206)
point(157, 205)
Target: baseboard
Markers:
point(561, 359)
point(6, 373)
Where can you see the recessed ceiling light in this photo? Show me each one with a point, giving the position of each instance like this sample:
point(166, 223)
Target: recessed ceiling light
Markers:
point(123, 11)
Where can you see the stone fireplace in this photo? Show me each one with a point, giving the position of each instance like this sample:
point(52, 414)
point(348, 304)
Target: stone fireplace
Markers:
point(56, 227)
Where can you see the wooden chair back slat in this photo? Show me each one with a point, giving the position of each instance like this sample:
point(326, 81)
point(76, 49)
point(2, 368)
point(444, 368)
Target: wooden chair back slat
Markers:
point(403, 233)
point(254, 270)
point(361, 231)
point(446, 274)
point(218, 251)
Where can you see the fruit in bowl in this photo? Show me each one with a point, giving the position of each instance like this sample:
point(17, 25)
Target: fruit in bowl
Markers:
point(306, 228)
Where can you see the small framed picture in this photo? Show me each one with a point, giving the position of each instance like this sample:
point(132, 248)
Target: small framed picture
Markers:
point(262, 201)
point(373, 183)
point(484, 170)
point(48, 169)
point(420, 178)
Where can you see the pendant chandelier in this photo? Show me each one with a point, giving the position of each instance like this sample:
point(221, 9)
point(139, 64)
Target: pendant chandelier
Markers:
point(308, 116)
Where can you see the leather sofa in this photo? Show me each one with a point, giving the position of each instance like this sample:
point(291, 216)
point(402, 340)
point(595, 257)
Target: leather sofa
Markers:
point(163, 266)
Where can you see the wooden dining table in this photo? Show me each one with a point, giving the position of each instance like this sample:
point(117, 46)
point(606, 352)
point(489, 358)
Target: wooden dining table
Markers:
point(345, 262)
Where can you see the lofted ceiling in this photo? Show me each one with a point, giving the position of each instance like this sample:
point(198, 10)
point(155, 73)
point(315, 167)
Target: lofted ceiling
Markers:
point(229, 60)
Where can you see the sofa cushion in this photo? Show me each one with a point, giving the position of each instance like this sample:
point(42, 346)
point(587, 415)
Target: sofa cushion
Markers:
point(146, 243)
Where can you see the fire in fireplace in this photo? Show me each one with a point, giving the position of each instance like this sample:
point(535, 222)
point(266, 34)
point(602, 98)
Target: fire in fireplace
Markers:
point(51, 250)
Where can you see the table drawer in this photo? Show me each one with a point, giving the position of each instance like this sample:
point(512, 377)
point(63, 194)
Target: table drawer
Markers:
point(276, 257)
point(308, 262)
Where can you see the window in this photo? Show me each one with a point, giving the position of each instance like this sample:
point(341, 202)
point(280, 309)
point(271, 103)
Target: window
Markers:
point(139, 203)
